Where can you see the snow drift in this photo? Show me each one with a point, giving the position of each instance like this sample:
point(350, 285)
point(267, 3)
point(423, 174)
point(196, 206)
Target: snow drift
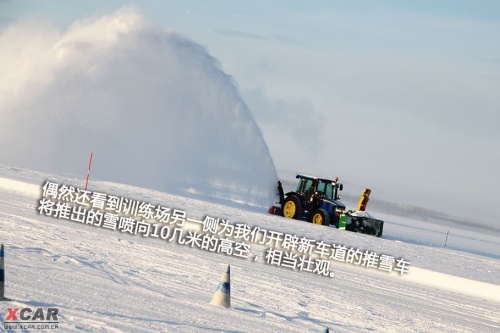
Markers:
point(155, 108)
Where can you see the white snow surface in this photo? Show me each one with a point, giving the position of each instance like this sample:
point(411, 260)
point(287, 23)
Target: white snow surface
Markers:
point(107, 281)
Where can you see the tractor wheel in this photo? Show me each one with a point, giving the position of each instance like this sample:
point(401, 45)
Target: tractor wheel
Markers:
point(292, 208)
point(320, 216)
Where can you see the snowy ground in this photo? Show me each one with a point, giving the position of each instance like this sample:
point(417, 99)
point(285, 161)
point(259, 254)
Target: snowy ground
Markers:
point(104, 280)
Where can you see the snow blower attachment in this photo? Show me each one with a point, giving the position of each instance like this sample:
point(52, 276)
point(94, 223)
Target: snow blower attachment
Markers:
point(316, 200)
point(362, 221)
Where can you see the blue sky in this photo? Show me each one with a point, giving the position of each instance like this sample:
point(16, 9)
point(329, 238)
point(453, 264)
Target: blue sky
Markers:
point(399, 96)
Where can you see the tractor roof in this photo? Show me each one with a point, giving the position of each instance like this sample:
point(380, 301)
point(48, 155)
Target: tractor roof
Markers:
point(313, 178)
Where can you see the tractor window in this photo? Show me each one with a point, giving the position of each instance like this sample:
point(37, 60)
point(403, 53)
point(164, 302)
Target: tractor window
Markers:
point(304, 185)
point(326, 189)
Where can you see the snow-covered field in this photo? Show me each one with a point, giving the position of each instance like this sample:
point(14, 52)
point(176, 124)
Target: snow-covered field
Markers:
point(104, 280)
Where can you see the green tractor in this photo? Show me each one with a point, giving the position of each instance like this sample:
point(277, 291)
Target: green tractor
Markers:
point(317, 200)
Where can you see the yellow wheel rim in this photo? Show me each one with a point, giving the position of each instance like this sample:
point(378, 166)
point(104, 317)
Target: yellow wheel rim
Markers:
point(289, 209)
point(317, 219)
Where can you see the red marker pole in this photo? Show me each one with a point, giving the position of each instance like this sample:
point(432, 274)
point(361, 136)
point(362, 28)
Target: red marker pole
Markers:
point(88, 171)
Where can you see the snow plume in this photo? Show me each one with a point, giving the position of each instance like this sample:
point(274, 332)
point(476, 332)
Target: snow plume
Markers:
point(155, 108)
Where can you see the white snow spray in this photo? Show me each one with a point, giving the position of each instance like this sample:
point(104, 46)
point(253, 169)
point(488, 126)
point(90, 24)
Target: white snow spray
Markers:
point(155, 108)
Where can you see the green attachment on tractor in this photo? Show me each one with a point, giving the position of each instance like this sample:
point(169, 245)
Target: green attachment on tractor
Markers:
point(363, 223)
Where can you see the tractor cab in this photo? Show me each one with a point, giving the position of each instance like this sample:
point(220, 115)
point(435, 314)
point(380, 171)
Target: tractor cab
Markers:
point(311, 186)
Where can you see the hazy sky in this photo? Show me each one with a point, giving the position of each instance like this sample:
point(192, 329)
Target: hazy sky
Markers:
point(399, 96)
